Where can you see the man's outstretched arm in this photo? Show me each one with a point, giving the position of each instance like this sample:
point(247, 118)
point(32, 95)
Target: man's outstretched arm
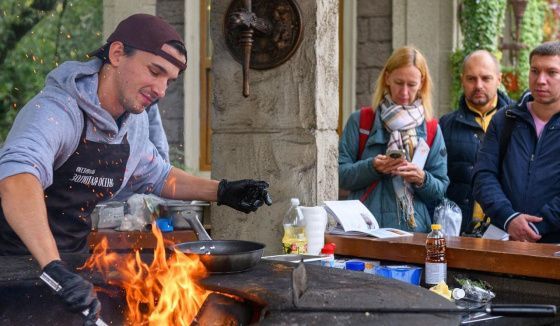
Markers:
point(243, 195)
point(23, 203)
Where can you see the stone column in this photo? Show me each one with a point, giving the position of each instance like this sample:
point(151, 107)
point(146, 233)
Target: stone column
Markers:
point(430, 25)
point(374, 45)
point(285, 132)
point(116, 10)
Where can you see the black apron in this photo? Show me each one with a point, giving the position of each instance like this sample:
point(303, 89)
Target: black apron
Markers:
point(94, 172)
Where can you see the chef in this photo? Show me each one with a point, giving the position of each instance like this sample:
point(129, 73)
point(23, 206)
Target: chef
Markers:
point(84, 138)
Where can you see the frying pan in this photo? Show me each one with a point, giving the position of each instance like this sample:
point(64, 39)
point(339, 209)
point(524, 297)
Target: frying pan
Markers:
point(221, 256)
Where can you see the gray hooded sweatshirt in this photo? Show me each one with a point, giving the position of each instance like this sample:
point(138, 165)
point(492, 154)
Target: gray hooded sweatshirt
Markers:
point(47, 130)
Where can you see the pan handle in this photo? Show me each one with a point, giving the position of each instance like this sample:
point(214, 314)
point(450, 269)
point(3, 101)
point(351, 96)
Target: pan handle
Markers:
point(521, 310)
point(197, 227)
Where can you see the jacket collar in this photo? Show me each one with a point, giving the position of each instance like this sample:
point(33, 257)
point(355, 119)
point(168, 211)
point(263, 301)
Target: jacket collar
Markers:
point(466, 116)
point(521, 111)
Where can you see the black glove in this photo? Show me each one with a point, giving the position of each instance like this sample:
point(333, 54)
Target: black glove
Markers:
point(77, 293)
point(244, 195)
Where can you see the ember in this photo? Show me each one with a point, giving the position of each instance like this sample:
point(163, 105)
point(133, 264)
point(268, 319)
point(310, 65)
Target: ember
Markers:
point(166, 292)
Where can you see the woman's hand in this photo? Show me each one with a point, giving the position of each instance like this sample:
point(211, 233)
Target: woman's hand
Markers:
point(411, 173)
point(386, 165)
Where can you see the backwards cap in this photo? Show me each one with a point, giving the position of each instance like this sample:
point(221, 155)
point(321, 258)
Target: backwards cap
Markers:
point(147, 33)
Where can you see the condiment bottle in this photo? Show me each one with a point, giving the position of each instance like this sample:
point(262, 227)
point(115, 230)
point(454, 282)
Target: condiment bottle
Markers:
point(328, 250)
point(294, 240)
point(436, 263)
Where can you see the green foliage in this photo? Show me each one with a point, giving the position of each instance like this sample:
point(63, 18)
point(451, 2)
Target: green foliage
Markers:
point(463, 279)
point(18, 18)
point(456, 69)
point(68, 32)
point(177, 157)
point(531, 34)
point(482, 24)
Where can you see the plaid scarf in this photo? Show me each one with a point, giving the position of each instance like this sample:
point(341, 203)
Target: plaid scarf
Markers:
point(401, 122)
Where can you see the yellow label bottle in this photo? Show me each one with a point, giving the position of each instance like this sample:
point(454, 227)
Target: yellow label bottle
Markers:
point(294, 240)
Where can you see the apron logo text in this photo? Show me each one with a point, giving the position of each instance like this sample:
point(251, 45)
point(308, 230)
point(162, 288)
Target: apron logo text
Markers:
point(90, 180)
point(80, 169)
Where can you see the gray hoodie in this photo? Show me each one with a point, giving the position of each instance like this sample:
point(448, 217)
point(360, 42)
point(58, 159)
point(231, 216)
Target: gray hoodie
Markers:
point(47, 130)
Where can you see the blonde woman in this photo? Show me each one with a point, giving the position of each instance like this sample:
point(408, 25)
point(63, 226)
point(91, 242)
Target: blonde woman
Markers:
point(396, 190)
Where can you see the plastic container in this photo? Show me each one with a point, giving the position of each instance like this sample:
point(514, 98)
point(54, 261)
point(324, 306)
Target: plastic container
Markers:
point(458, 294)
point(404, 273)
point(165, 224)
point(370, 266)
point(355, 265)
point(108, 215)
point(436, 262)
point(315, 224)
point(294, 240)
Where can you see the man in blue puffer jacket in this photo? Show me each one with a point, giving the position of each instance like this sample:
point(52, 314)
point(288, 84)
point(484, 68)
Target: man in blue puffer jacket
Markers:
point(464, 129)
point(521, 193)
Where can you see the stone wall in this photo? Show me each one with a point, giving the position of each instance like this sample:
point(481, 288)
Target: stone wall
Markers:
point(171, 106)
point(285, 132)
point(116, 10)
point(374, 45)
point(431, 26)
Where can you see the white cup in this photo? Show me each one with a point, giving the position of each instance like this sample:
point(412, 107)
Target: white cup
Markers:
point(315, 224)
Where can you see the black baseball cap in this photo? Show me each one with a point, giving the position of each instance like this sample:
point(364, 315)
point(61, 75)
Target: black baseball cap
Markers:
point(147, 33)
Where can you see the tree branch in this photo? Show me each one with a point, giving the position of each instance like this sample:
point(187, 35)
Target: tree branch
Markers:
point(15, 29)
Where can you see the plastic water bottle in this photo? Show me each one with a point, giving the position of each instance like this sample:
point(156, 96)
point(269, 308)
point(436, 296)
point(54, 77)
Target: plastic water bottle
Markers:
point(436, 263)
point(294, 240)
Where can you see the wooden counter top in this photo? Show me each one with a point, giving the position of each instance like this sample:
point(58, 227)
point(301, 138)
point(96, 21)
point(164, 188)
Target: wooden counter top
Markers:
point(137, 239)
point(509, 257)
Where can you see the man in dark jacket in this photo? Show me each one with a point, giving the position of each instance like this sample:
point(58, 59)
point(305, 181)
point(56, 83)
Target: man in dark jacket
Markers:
point(463, 129)
point(521, 192)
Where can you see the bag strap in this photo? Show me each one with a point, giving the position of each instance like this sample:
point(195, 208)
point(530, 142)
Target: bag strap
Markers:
point(367, 115)
point(431, 130)
point(505, 136)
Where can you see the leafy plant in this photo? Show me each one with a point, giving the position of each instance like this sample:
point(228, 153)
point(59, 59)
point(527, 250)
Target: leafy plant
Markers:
point(456, 70)
point(462, 279)
point(482, 24)
point(177, 157)
point(531, 34)
point(53, 32)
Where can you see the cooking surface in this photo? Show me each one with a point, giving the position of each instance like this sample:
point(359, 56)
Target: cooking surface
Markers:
point(332, 288)
point(268, 283)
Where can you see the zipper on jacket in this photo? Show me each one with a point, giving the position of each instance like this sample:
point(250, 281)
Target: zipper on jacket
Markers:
point(531, 160)
point(530, 169)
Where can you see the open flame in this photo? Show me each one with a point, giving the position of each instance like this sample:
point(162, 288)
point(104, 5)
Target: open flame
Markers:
point(162, 293)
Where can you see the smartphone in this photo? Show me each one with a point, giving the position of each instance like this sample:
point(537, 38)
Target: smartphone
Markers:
point(395, 153)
